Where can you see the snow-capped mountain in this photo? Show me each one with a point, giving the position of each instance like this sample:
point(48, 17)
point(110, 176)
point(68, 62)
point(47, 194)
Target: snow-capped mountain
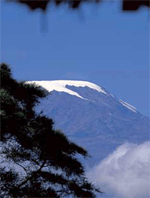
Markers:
point(92, 117)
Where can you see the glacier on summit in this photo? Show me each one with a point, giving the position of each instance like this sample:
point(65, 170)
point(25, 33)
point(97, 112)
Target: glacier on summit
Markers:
point(60, 86)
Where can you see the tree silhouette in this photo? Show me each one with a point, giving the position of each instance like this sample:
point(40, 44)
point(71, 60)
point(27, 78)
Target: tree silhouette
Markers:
point(36, 160)
point(127, 5)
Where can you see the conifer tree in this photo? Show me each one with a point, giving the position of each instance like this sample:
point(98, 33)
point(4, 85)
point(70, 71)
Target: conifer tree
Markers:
point(35, 159)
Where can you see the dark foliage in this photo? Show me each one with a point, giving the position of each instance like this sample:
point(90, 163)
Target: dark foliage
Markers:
point(127, 5)
point(132, 5)
point(36, 160)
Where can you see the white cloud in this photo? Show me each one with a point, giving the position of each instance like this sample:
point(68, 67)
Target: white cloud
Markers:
point(125, 172)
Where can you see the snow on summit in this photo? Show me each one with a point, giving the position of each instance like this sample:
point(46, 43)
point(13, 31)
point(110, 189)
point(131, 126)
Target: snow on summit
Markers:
point(60, 85)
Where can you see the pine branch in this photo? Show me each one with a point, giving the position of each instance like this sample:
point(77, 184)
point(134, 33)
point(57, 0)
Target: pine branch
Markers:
point(20, 166)
point(29, 178)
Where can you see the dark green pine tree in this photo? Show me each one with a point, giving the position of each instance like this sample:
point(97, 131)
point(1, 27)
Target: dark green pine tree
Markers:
point(35, 159)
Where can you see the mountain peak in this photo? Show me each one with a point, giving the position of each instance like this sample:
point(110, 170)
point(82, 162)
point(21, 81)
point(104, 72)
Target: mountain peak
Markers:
point(61, 86)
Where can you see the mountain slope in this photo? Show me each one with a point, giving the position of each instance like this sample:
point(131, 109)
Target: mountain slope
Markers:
point(92, 116)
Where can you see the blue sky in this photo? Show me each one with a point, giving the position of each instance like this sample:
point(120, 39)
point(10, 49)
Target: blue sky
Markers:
point(99, 44)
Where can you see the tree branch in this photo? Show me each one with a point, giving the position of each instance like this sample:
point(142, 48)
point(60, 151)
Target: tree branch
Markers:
point(42, 165)
point(20, 166)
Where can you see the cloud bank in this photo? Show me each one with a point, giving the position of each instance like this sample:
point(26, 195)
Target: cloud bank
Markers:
point(125, 173)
